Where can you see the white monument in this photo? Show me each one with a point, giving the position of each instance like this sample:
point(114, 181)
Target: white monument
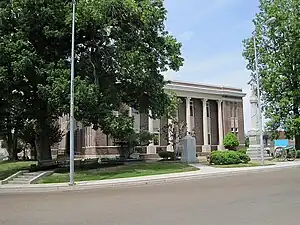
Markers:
point(189, 150)
point(254, 138)
point(3, 152)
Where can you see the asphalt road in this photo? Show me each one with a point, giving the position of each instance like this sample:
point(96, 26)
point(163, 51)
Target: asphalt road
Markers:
point(271, 198)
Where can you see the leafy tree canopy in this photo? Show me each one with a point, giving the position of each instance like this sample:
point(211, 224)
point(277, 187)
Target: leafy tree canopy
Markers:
point(278, 46)
point(122, 48)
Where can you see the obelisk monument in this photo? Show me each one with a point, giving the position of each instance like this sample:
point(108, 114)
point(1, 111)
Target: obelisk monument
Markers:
point(254, 138)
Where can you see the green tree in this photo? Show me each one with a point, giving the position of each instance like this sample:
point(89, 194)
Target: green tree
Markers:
point(278, 46)
point(122, 48)
point(231, 141)
point(176, 129)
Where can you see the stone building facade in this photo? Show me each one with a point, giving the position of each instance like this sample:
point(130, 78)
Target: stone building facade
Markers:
point(209, 111)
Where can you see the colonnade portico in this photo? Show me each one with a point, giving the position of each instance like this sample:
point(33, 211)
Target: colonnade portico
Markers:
point(206, 145)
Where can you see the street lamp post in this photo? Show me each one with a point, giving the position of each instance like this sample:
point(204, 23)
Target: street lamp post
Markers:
point(71, 183)
point(259, 114)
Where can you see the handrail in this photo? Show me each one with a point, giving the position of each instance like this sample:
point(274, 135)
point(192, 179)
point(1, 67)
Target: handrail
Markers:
point(289, 147)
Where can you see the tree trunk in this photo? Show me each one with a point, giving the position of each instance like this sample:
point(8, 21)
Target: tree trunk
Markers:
point(297, 142)
point(10, 146)
point(42, 142)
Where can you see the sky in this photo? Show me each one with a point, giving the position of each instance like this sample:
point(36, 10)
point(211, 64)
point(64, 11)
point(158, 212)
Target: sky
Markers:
point(211, 33)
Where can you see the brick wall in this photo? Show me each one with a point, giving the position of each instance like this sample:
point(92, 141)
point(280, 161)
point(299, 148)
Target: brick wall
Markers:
point(198, 121)
point(144, 121)
point(182, 110)
point(241, 128)
point(227, 107)
point(100, 138)
point(214, 122)
point(227, 117)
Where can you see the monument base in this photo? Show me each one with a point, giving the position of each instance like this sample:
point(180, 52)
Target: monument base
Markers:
point(170, 148)
point(151, 149)
point(254, 153)
point(206, 148)
point(221, 148)
point(189, 150)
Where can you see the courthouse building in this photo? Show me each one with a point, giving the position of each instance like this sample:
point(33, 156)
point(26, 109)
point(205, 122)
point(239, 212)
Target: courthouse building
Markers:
point(210, 112)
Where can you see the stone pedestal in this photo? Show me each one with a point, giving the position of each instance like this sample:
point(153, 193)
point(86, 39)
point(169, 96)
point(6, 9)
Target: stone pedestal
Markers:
point(254, 146)
point(3, 152)
point(170, 148)
point(151, 149)
point(221, 147)
point(189, 150)
point(206, 148)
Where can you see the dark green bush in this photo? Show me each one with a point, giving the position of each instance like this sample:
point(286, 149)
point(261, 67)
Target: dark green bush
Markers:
point(298, 154)
point(228, 157)
point(166, 155)
point(244, 157)
point(242, 150)
point(231, 141)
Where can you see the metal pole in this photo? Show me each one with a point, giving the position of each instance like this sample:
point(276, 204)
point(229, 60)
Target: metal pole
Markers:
point(261, 144)
point(72, 99)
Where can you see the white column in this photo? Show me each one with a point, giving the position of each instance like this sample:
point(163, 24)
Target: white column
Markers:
point(205, 147)
point(188, 115)
point(220, 120)
point(151, 149)
point(130, 112)
point(170, 137)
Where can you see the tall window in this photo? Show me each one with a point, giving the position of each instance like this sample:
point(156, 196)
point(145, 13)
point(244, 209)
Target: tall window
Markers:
point(156, 131)
point(208, 122)
point(137, 120)
point(192, 114)
point(234, 118)
point(191, 108)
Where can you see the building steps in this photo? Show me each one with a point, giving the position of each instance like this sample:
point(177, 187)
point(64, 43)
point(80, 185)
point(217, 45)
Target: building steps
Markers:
point(25, 177)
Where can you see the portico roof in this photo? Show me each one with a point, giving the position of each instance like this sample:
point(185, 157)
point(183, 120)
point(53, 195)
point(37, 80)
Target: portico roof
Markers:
point(198, 88)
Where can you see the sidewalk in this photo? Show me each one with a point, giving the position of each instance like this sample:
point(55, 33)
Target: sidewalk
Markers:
point(204, 172)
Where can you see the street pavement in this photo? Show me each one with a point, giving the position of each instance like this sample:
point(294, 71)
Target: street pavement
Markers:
point(270, 198)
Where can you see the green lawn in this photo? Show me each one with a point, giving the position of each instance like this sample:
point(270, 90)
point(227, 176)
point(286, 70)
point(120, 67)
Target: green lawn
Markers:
point(124, 171)
point(9, 168)
point(243, 165)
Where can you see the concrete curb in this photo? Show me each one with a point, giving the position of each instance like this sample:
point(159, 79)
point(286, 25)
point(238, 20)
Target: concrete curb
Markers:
point(136, 181)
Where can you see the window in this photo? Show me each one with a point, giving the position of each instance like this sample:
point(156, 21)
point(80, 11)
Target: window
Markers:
point(156, 139)
point(234, 117)
point(208, 109)
point(191, 108)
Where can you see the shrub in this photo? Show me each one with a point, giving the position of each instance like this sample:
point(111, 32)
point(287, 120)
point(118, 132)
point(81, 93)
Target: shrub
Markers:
point(166, 155)
point(242, 150)
point(228, 157)
point(244, 157)
point(230, 141)
point(298, 154)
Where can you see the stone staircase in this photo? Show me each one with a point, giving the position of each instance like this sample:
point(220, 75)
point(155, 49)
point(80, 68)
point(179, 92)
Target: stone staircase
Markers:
point(25, 177)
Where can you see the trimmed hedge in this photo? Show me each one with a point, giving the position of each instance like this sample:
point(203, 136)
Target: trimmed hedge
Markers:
point(166, 155)
point(298, 154)
point(228, 157)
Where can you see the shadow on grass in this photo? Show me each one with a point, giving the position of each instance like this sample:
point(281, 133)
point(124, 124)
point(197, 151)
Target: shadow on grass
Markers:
point(121, 171)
